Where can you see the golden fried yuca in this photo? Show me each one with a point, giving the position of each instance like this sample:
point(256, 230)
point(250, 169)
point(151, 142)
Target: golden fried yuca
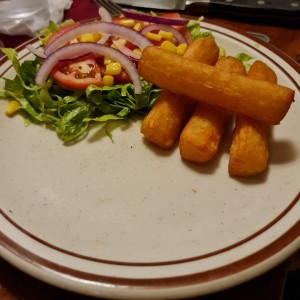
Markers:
point(167, 117)
point(201, 136)
point(164, 122)
point(249, 151)
point(204, 50)
point(260, 71)
point(258, 99)
point(231, 65)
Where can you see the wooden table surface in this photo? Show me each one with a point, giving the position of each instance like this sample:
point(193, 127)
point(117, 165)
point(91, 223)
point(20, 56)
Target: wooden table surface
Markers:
point(16, 285)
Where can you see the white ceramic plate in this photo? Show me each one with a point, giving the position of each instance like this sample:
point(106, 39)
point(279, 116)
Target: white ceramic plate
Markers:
point(124, 220)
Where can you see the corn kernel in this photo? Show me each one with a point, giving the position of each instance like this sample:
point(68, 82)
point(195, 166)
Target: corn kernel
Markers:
point(122, 41)
point(113, 68)
point(108, 80)
point(87, 37)
point(97, 36)
point(127, 22)
point(181, 49)
point(153, 36)
point(12, 107)
point(137, 51)
point(166, 35)
point(107, 60)
point(167, 45)
point(138, 26)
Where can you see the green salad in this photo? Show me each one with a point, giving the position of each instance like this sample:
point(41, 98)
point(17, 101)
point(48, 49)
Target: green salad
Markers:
point(68, 106)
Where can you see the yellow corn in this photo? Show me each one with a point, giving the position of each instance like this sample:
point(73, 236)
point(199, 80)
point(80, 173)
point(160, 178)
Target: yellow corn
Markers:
point(107, 60)
point(108, 80)
point(181, 48)
point(166, 35)
point(167, 45)
point(127, 22)
point(97, 36)
point(153, 36)
point(138, 26)
point(137, 51)
point(87, 37)
point(122, 41)
point(113, 68)
point(12, 107)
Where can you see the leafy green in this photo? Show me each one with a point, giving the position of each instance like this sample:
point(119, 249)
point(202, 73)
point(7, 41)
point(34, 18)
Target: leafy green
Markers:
point(68, 112)
point(52, 27)
point(195, 30)
point(244, 58)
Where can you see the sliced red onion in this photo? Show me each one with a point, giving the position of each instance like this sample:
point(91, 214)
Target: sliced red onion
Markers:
point(79, 49)
point(99, 27)
point(177, 35)
point(132, 14)
point(128, 52)
point(37, 52)
point(105, 17)
point(104, 38)
point(104, 14)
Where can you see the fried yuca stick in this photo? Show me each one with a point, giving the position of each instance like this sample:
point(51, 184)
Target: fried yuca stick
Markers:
point(249, 149)
point(165, 120)
point(256, 98)
point(201, 136)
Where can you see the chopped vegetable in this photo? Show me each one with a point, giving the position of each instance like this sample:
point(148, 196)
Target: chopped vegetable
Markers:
point(69, 112)
point(87, 72)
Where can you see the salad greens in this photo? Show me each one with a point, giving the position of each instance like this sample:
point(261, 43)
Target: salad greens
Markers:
point(244, 58)
point(195, 30)
point(52, 27)
point(71, 112)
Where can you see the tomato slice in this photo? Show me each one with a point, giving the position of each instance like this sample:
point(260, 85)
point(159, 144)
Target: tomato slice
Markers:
point(78, 73)
point(59, 32)
point(121, 78)
point(170, 15)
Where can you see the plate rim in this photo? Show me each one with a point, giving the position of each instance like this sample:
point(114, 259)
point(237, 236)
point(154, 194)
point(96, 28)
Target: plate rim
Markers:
point(290, 240)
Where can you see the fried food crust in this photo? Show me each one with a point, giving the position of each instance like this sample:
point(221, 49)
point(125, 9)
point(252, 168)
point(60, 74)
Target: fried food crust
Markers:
point(258, 99)
point(249, 151)
point(201, 136)
point(167, 117)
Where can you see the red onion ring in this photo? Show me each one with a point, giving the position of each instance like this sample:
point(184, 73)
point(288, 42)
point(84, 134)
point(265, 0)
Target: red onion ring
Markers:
point(79, 49)
point(104, 38)
point(37, 52)
point(99, 27)
point(105, 15)
point(177, 35)
point(125, 50)
point(153, 19)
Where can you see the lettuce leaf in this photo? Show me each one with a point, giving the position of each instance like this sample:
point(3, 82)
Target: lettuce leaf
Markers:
point(195, 30)
point(68, 112)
